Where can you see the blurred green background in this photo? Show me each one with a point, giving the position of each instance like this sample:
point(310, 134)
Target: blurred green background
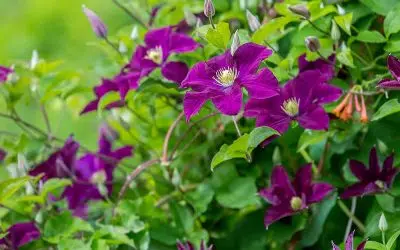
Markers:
point(57, 29)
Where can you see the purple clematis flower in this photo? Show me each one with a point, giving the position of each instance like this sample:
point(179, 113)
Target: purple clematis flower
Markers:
point(288, 198)
point(160, 44)
point(93, 171)
point(4, 72)
point(393, 64)
point(299, 100)
point(60, 164)
point(349, 244)
point(221, 78)
point(372, 180)
point(325, 67)
point(20, 234)
point(189, 246)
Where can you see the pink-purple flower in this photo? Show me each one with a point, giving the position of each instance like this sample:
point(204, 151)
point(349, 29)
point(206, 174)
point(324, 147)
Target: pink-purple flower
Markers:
point(4, 72)
point(20, 234)
point(221, 80)
point(288, 198)
point(393, 64)
point(299, 100)
point(325, 67)
point(349, 244)
point(373, 179)
point(189, 246)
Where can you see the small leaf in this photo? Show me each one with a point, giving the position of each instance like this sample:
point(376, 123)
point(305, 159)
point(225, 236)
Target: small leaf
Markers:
point(271, 27)
point(237, 149)
point(375, 245)
point(382, 7)
point(345, 22)
point(260, 134)
point(219, 37)
point(388, 108)
point(391, 24)
point(371, 37)
point(345, 57)
point(239, 193)
point(392, 240)
point(310, 137)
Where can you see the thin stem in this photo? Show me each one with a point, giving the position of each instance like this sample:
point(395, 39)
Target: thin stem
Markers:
point(308, 159)
point(112, 45)
point(236, 126)
point(323, 58)
point(45, 117)
point(168, 197)
point(135, 18)
point(211, 22)
point(317, 28)
point(164, 158)
point(383, 238)
point(321, 162)
point(350, 221)
point(360, 58)
point(270, 46)
point(142, 118)
point(356, 221)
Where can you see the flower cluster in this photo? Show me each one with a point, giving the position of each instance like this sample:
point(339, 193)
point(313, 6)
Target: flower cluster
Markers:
point(19, 234)
point(92, 174)
point(189, 246)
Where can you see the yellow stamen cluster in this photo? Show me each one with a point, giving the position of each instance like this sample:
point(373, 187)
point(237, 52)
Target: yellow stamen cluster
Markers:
point(291, 107)
point(155, 55)
point(226, 76)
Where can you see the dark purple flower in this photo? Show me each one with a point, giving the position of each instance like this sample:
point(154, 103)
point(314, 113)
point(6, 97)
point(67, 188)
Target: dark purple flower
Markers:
point(189, 246)
point(60, 164)
point(327, 69)
point(4, 72)
point(159, 45)
point(3, 154)
point(94, 171)
point(288, 198)
point(349, 244)
point(221, 78)
point(20, 234)
point(98, 26)
point(299, 100)
point(373, 179)
point(394, 67)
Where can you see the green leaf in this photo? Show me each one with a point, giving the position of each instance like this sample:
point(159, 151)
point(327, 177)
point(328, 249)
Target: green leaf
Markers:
point(200, 198)
point(9, 187)
point(320, 213)
point(375, 245)
point(345, 57)
point(386, 202)
point(388, 108)
point(183, 217)
point(271, 27)
point(243, 146)
point(72, 244)
point(345, 22)
point(391, 24)
point(371, 37)
point(239, 193)
point(382, 7)
point(393, 46)
point(219, 37)
point(310, 137)
point(392, 240)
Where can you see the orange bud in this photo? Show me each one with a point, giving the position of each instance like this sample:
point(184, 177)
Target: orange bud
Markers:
point(364, 115)
point(341, 105)
point(357, 103)
point(349, 107)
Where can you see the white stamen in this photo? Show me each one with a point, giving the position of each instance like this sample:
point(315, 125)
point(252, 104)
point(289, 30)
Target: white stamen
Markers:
point(226, 76)
point(291, 106)
point(155, 55)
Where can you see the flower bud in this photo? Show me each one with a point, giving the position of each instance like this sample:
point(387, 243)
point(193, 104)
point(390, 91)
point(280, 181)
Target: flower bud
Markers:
point(190, 18)
point(235, 43)
point(253, 21)
point(383, 225)
point(134, 33)
point(312, 43)
point(301, 10)
point(335, 32)
point(122, 47)
point(341, 11)
point(97, 24)
point(209, 9)
point(34, 60)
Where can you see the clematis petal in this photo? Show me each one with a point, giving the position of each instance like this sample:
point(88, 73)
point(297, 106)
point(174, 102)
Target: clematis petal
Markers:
point(175, 71)
point(262, 85)
point(276, 213)
point(389, 84)
point(4, 72)
point(349, 241)
point(374, 168)
point(249, 56)
point(359, 170)
point(122, 153)
point(388, 163)
point(270, 196)
point(302, 181)
point(326, 93)
point(318, 192)
point(192, 103)
point(280, 178)
point(154, 37)
point(21, 234)
point(199, 77)
point(360, 189)
point(362, 245)
point(91, 106)
point(181, 43)
point(229, 101)
point(394, 66)
point(335, 247)
point(315, 118)
point(327, 69)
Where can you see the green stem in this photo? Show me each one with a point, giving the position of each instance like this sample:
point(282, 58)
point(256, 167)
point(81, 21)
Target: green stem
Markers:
point(356, 221)
point(236, 126)
point(128, 12)
point(211, 22)
point(318, 28)
point(360, 58)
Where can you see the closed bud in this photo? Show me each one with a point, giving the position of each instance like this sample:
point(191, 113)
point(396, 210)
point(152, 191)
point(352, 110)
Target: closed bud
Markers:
point(301, 10)
point(190, 18)
point(134, 33)
point(209, 9)
point(98, 26)
point(235, 43)
point(253, 21)
point(312, 43)
point(335, 32)
point(122, 47)
point(34, 60)
point(340, 9)
point(383, 225)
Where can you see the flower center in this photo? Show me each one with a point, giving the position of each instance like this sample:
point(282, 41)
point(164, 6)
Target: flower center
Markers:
point(296, 203)
point(226, 76)
point(291, 107)
point(155, 55)
point(98, 178)
point(380, 184)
